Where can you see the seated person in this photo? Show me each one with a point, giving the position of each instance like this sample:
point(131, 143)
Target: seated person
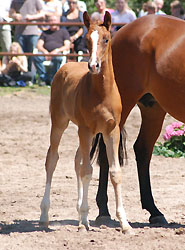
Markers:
point(52, 41)
point(14, 68)
point(77, 33)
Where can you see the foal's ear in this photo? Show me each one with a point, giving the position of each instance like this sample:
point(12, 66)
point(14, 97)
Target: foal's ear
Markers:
point(107, 20)
point(87, 19)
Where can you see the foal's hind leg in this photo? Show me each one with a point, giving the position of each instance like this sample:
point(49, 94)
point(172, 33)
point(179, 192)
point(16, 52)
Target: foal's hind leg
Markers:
point(78, 159)
point(112, 144)
point(51, 161)
point(152, 120)
point(84, 175)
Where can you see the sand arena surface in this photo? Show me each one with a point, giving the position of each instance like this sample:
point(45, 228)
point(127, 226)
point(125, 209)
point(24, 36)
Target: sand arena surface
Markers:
point(24, 140)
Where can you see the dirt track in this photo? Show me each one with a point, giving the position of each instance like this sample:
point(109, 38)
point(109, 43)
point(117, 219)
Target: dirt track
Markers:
point(24, 139)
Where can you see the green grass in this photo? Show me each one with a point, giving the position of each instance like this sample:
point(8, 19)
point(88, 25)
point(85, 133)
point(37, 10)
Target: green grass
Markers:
point(45, 90)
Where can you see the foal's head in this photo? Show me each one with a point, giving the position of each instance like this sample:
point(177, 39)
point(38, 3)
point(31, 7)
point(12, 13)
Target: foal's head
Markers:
point(98, 41)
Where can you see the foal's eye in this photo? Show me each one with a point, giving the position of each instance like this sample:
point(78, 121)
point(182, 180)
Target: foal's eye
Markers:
point(106, 40)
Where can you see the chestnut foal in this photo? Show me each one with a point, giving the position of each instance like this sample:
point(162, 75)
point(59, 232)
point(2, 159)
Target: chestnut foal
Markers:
point(90, 99)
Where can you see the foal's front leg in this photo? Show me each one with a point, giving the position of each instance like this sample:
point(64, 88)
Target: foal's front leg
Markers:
point(112, 144)
point(84, 175)
point(51, 161)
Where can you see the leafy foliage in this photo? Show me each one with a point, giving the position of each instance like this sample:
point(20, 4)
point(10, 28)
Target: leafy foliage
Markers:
point(174, 146)
point(171, 148)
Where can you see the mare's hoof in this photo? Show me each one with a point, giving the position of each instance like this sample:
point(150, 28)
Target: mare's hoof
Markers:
point(158, 220)
point(103, 220)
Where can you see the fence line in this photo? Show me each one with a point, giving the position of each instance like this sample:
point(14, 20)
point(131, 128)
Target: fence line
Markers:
point(40, 54)
point(47, 24)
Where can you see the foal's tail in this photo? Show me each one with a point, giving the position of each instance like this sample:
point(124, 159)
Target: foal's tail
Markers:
point(100, 152)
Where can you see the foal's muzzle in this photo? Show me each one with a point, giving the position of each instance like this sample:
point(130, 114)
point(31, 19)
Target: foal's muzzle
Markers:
point(94, 68)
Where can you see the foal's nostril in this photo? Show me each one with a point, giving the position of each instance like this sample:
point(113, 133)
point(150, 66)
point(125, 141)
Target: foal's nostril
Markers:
point(97, 65)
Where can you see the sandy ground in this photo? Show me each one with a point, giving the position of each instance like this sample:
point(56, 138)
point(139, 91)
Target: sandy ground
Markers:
point(24, 140)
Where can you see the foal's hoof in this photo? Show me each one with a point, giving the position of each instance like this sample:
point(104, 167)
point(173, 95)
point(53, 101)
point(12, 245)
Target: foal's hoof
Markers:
point(103, 220)
point(83, 228)
point(128, 231)
point(158, 220)
point(44, 224)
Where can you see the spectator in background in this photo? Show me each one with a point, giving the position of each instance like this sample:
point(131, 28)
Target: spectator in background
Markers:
point(14, 68)
point(52, 7)
point(122, 14)
point(143, 11)
point(177, 10)
point(77, 33)
point(52, 41)
point(151, 8)
point(5, 30)
point(101, 7)
point(159, 4)
point(81, 5)
point(27, 35)
point(96, 17)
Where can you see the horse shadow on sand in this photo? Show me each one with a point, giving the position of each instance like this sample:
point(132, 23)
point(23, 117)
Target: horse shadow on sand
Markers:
point(25, 226)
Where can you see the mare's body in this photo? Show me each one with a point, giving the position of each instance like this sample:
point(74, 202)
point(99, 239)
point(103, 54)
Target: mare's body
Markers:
point(149, 67)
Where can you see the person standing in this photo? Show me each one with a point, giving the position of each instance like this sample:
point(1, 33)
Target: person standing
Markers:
point(81, 5)
point(5, 30)
point(177, 9)
point(122, 14)
point(77, 33)
point(101, 7)
point(151, 8)
point(159, 4)
point(27, 35)
point(52, 7)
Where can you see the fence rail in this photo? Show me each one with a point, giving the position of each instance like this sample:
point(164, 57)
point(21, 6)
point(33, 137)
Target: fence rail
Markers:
point(40, 54)
point(47, 24)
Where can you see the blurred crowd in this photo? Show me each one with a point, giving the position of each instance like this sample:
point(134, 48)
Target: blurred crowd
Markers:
point(55, 39)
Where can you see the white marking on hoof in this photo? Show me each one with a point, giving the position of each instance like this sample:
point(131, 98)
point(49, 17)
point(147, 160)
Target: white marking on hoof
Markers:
point(82, 228)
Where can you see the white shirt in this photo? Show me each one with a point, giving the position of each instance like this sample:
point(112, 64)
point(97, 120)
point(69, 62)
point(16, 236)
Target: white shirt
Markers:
point(52, 6)
point(126, 17)
point(4, 13)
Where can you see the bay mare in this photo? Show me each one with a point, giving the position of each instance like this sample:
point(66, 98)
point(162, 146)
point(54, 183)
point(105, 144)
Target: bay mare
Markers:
point(149, 66)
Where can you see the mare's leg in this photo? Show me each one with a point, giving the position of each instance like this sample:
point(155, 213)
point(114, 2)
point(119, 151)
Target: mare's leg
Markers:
point(102, 197)
point(152, 120)
point(51, 161)
point(84, 174)
point(112, 144)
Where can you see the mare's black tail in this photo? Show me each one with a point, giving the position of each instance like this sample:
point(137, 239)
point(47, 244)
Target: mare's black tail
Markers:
point(99, 149)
